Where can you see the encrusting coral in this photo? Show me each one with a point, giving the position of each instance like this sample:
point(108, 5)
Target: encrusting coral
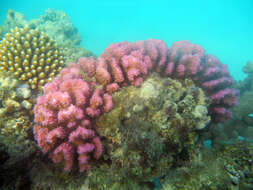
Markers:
point(15, 118)
point(30, 56)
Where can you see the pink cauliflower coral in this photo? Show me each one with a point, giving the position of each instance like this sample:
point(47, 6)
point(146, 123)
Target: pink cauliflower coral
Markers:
point(63, 117)
point(208, 73)
point(65, 112)
point(129, 63)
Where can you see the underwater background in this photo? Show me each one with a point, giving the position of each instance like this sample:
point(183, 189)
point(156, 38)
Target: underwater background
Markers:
point(223, 27)
point(126, 95)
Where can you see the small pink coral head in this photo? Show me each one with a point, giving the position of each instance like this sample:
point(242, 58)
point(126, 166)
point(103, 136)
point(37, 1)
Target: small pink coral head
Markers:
point(71, 124)
point(108, 103)
point(36, 129)
point(230, 100)
point(55, 134)
point(44, 116)
point(85, 148)
point(98, 147)
point(83, 160)
point(102, 74)
point(72, 72)
point(80, 97)
point(64, 153)
point(58, 100)
point(116, 71)
point(222, 114)
point(96, 99)
point(70, 113)
point(169, 69)
point(220, 110)
point(126, 61)
point(132, 74)
point(74, 86)
point(148, 62)
point(138, 81)
point(136, 59)
point(92, 112)
point(180, 70)
point(221, 94)
point(118, 50)
point(192, 63)
point(85, 123)
point(80, 134)
point(88, 65)
point(223, 81)
point(210, 71)
point(41, 100)
point(162, 48)
point(151, 48)
point(197, 49)
point(111, 88)
point(51, 86)
point(40, 135)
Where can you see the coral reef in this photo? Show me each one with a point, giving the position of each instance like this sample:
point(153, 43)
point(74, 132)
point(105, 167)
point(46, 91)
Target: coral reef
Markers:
point(125, 63)
point(229, 167)
point(150, 129)
point(13, 19)
point(16, 118)
point(30, 56)
point(55, 24)
point(72, 101)
point(240, 126)
point(247, 84)
point(63, 119)
point(16, 97)
point(17, 143)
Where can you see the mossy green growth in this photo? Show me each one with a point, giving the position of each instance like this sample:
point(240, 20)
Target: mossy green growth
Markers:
point(150, 129)
point(228, 167)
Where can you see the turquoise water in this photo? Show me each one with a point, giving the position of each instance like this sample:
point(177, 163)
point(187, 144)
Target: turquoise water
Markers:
point(224, 28)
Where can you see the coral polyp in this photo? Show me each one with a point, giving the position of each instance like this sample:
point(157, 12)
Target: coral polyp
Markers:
point(30, 56)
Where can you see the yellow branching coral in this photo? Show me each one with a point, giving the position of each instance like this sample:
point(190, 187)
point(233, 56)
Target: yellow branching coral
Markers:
point(31, 56)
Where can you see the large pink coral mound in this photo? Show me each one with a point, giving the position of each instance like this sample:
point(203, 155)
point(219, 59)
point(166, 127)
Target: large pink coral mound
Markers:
point(63, 117)
point(82, 92)
point(129, 63)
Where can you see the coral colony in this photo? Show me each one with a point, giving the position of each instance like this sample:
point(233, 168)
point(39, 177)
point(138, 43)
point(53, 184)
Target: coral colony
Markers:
point(31, 56)
point(83, 91)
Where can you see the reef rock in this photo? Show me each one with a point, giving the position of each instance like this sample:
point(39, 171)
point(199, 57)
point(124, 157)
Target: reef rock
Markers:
point(150, 129)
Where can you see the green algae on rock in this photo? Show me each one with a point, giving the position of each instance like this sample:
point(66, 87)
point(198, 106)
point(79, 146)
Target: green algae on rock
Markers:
point(150, 129)
point(228, 167)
